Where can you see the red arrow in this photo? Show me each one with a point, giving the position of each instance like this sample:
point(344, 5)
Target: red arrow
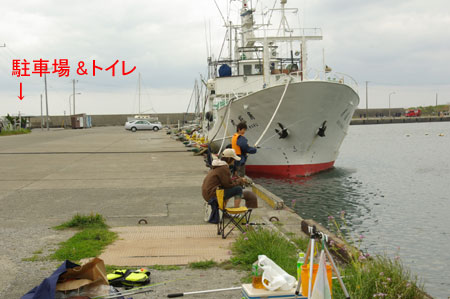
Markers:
point(21, 96)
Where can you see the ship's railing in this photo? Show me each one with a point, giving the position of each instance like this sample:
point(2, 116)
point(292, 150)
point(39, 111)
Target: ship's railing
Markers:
point(292, 32)
point(236, 93)
point(337, 77)
point(349, 80)
point(297, 75)
point(281, 64)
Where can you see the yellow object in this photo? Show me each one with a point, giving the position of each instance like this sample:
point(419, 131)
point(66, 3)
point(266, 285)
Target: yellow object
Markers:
point(305, 278)
point(237, 210)
point(235, 216)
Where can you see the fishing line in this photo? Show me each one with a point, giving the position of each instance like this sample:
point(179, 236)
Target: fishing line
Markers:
point(229, 103)
point(226, 128)
point(133, 291)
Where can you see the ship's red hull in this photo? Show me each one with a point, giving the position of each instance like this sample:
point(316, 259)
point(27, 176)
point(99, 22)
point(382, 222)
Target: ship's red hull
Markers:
point(287, 170)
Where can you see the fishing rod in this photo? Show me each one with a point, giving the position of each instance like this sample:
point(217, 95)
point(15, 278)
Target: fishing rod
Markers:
point(203, 292)
point(138, 290)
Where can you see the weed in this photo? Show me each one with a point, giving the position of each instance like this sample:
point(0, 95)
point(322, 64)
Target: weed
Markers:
point(290, 234)
point(226, 265)
point(84, 221)
point(302, 243)
point(34, 258)
point(203, 264)
point(15, 132)
point(248, 246)
point(165, 267)
point(87, 243)
point(378, 277)
point(38, 251)
point(373, 277)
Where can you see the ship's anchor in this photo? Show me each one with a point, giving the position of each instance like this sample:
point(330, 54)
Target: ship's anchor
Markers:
point(322, 129)
point(283, 133)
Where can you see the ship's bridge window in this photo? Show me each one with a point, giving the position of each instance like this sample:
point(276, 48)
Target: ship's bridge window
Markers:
point(247, 69)
point(258, 69)
point(252, 69)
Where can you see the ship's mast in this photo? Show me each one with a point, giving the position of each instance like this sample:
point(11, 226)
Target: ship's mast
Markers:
point(247, 23)
point(230, 31)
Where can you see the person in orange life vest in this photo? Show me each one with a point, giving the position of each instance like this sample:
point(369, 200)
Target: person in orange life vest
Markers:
point(240, 145)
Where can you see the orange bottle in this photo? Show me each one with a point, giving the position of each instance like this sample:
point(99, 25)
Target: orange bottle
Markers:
point(256, 276)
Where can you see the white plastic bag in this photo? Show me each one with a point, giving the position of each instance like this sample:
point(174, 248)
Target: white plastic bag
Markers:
point(321, 288)
point(276, 277)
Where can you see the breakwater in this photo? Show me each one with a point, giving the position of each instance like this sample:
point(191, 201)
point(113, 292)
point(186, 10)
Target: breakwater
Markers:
point(398, 120)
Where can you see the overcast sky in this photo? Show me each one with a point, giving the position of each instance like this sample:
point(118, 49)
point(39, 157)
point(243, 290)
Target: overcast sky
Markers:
point(400, 46)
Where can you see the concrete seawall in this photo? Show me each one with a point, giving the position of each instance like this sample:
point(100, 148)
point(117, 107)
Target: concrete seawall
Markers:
point(173, 118)
point(58, 121)
point(397, 120)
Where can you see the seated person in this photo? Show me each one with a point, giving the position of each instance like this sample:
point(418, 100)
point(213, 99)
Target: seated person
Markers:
point(220, 176)
point(251, 201)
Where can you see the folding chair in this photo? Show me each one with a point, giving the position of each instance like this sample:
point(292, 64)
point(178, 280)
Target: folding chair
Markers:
point(235, 216)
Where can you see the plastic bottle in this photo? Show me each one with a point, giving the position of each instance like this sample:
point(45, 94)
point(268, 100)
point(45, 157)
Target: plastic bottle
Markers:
point(257, 276)
point(274, 277)
point(300, 262)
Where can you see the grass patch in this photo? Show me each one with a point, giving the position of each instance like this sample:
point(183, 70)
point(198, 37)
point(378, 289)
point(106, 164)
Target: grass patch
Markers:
point(378, 277)
point(165, 267)
point(203, 264)
point(302, 243)
point(85, 244)
point(15, 132)
point(247, 248)
point(84, 221)
point(35, 258)
point(365, 277)
point(226, 265)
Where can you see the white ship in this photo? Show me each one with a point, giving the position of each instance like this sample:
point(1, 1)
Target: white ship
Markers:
point(296, 116)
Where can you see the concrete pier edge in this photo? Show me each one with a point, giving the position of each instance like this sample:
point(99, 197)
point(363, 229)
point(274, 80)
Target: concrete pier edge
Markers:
point(272, 200)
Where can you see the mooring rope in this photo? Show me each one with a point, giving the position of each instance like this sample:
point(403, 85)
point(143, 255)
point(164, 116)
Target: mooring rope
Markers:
point(274, 113)
point(226, 126)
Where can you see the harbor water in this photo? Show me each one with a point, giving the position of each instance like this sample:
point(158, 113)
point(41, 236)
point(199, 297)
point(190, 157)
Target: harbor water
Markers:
point(393, 183)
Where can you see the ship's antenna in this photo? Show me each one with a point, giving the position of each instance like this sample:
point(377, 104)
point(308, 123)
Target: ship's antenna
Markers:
point(224, 21)
point(210, 40)
point(271, 11)
point(206, 40)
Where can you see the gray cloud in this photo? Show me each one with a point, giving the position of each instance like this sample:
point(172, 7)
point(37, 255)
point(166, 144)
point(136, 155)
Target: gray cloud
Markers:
point(394, 44)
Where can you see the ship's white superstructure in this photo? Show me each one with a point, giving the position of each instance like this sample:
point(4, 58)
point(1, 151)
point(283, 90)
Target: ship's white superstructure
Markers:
point(297, 117)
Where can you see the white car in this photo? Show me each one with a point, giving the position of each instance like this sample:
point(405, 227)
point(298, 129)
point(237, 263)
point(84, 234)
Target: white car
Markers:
point(142, 125)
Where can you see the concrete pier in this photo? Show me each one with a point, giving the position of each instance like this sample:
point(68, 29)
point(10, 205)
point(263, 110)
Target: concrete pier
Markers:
point(47, 177)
